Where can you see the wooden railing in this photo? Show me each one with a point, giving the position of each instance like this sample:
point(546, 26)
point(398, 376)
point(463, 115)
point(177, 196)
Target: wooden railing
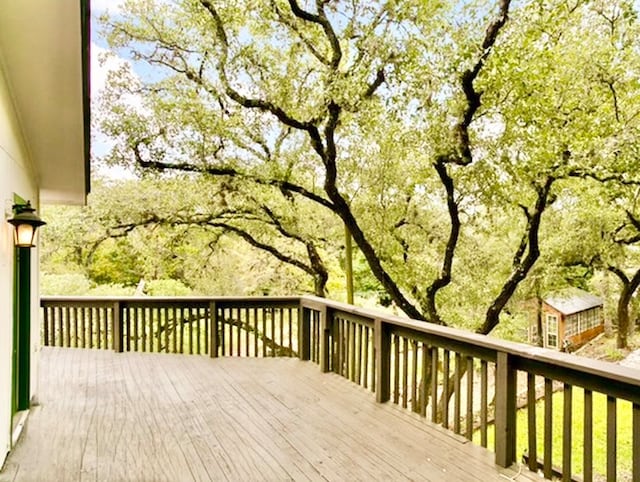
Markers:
point(470, 384)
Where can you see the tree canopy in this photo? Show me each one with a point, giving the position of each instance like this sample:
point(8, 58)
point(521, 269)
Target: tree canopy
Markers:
point(458, 141)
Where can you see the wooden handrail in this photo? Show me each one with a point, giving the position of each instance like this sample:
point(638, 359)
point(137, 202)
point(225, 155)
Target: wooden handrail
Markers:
point(453, 377)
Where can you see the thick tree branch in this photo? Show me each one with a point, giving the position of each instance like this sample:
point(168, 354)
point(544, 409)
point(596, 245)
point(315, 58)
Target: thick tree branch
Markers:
point(260, 104)
point(315, 269)
point(519, 273)
point(619, 273)
point(629, 287)
point(322, 20)
point(230, 172)
point(603, 178)
point(292, 25)
point(322, 142)
point(454, 233)
point(463, 155)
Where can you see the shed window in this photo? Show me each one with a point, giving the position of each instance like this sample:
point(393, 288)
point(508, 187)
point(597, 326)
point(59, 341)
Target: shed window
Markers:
point(572, 325)
point(552, 331)
point(591, 318)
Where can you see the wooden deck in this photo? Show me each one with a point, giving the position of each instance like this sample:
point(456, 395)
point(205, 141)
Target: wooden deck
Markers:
point(105, 416)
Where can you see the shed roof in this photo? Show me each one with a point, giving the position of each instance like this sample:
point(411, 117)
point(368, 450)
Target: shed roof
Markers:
point(573, 300)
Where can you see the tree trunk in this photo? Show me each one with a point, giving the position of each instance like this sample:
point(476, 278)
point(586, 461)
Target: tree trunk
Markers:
point(540, 338)
point(629, 287)
point(623, 317)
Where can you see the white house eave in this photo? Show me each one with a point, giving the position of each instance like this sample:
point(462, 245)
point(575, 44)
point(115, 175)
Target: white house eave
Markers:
point(41, 48)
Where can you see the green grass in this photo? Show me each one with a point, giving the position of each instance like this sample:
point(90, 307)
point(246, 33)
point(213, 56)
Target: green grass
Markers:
point(624, 433)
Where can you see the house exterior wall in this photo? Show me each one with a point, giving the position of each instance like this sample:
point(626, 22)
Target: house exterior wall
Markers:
point(16, 177)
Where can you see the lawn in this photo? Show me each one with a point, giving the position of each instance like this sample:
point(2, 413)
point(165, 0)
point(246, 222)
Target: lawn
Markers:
point(624, 432)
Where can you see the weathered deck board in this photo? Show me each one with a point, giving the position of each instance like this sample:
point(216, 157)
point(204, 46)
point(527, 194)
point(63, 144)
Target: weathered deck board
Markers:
point(155, 417)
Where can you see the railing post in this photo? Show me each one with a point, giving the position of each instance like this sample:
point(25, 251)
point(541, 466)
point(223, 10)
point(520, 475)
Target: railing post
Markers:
point(382, 344)
point(505, 411)
point(213, 333)
point(117, 331)
point(45, 319)
point(304, 333)
point(325, 340)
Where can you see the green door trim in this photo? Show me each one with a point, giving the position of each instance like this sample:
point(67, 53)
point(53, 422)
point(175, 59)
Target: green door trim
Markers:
point(21, 353)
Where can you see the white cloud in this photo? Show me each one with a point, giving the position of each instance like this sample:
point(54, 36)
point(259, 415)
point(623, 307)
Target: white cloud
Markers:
point(104, 61)
point(100, 6)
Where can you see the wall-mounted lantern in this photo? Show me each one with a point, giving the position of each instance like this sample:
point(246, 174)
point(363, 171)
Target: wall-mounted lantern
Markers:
point(26, 222)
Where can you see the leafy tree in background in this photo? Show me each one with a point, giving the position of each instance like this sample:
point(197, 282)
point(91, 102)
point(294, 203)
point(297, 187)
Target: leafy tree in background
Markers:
point(287, 121)
point(133, 230)
point(437, 133)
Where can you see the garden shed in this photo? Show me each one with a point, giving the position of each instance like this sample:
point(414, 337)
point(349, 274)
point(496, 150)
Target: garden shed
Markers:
point(570, 318)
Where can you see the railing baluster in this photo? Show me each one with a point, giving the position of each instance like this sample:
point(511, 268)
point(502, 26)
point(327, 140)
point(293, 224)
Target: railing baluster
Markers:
point(117, 327)
point(45, 331)
point(238, 325)
point(105, 324)
point(469, 415)
point(566, 433)
point(246, 324)
point(75, 337)
point(635, 451)
point(396, 369)
point(67, 325)
point(587, 454)
point(358, 354)
point(531, 422)
point(445, 389)
point(143, 327)
point(255, 332)
point(374, 360)
point(434, 385)
point(83, 326)
point(457, 396)
point(414, 376)
point(405, 372)
point(346, 353)
point(171, 317)
point(345, 348)
point(291, 337)
point(426, 363)
point(188, 333)
point(264, 332)
point(128, 329)
point(281, 323)
point(351, 346)
point(90, 312)
point(365, 357)
point(337, 343)
point(98, 318)
point(155, 321)
point(484, 401)
point(548, 425)
point(207, 327)
point(55, 326)
point(214, 345)
point(273, 332)
point(382, 366)
point(172, 343)
point(304, 334)
point(611, 438)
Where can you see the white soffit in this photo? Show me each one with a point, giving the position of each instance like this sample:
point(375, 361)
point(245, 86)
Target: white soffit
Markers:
point(41, 55)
